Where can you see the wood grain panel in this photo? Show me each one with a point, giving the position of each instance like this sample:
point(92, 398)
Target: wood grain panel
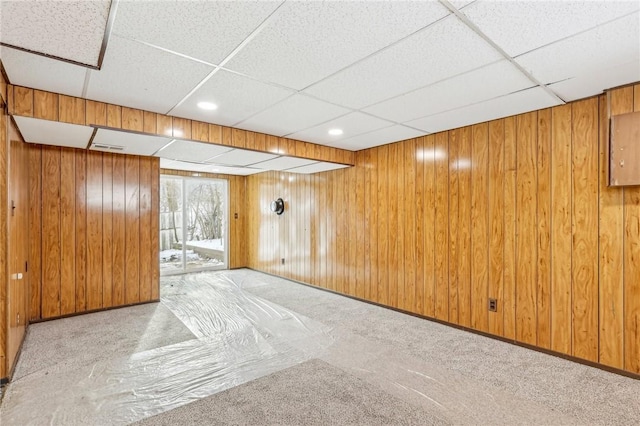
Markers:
point(441, 266)
point(67, 231)
point(526, 229)
point(150, 122)
point(372, 227)
point(200, 131)
point(454, 158)
point(114, 116)
point(543, 302)
point(35, 231)
point(408, 223)
point(23, 101)
point(45, 105)
point(132, 119)
point(164, 125)
point(383, 242)
point(96, 113)
point(4, 228)
point(132, 229)
point(464, 229)
point(510, 214)
point(81, 231)
point(480, 227)
point(429, 221)
point(420, 225)
point(561, 242)
point(107, 228)
point(610, 245)
point(51, 232)
point(181, 128)
point(119, 233)
point(496, 224)
point(632, 266)
point(146, 229)
point(392, 226)
point(71, 110)
point(94, 230)
point(360, 195)
point(585, 229)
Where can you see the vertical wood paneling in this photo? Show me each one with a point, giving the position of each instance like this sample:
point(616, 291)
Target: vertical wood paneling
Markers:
point(510, 212)
point(146, 229)
point(420, 225)
point(71, 110)
point(561, 207)
point(585, 229)
point(360, 223)
point(526, 229)
point(480, 226)
point(409, 225)
point(119, 224)
point(373, 225)
point(392, 226)
point(454, 158)
point(383, 242)
point(96, 113)
point(23, 101)
point(441, 266)
point(94, 230)
point(132, 119)
point(632, 268)
point(464, 228)
point(496, 224)
point(51, 232)
point(81, 231)
point(107, 229)
point(610, 240)
point(114, 116)
point(132, 229)
point(35, 231)
point(544, 232)
point(45, 105)
point(67, 231)
point(429, 226)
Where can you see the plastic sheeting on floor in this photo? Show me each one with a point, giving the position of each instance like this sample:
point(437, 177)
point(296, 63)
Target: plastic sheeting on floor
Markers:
point(240, 337)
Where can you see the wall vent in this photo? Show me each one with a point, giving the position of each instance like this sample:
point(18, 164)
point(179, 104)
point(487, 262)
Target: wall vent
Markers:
point(108, 147)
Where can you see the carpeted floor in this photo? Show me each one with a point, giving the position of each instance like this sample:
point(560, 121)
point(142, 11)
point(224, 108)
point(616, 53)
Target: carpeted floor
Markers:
point(241, 347)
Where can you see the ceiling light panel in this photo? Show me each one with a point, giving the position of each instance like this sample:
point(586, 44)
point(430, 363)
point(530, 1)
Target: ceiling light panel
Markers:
point(317, 168)
point(521, 26)
point(183, 165)
point(239, 171)
point(191, 151)
point(515, 103)
point(206, 30)
point(47, 132)
point(72, 30)
point(291, 115)
point(241, 157)
point(133, 143)
point(307, 41)
point(39, 72)
point(475, 86)
point(604, 46)
point(283, 163)
point(379, 137)
point(237, 98)
point(352, 124)
point(139, 76)
point(441, 51)
point(596, 82)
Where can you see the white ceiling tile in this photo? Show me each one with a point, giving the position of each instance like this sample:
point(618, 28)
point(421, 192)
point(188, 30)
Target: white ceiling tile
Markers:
point(307, 41)
point(441, 51)
point(515, 103)
point(72, 30)
point(379, 137)
point(197, 152)
point(608, 45)
point(241, 171)
point(207, 30)
point(283, 163)
point(140, 76)
point(459, 4)
point(133, 143)
point(47, 132)
point(352, 124)
point(39, 72)
point(521, 26)
point(291, 115)
point(240, 157)
point(596, 82)
point(183, 165)
point(237, 98)
point(317, 168)
point(475, 86)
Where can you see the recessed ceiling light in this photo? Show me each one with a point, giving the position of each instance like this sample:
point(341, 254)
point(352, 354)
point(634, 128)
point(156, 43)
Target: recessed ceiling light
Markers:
point(335, 132)
point(209, 106)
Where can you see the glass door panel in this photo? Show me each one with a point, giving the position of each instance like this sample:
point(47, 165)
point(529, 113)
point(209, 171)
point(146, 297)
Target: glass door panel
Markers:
point(171, 256)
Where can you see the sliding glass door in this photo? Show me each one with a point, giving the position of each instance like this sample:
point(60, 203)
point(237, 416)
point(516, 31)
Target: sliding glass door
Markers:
point(193, 224)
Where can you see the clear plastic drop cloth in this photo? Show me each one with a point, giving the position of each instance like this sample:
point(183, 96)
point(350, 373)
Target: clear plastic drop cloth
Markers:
point(240, 337)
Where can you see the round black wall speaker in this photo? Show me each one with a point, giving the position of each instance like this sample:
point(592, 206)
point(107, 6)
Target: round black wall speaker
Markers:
point(277, 206)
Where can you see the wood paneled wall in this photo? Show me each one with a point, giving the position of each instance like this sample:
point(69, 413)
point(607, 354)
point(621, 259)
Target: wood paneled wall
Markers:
point(94, 230)
point(28, 102)
point(237, 213)
point(516, 209)
point(4, 239)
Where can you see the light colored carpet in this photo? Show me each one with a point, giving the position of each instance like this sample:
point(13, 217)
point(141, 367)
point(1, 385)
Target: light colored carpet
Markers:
point(312, 393)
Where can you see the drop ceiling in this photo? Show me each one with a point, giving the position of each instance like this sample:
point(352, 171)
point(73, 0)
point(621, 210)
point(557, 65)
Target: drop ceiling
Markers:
point(380, 71)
